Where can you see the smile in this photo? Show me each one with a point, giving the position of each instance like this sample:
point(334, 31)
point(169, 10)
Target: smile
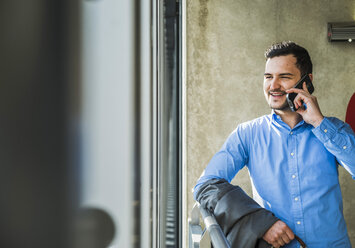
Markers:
point(277, 93)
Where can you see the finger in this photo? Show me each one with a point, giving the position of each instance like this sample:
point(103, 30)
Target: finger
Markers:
point(290, 234)
point(295, 90)
point(285, 238)
point(299, 100)
point(275, 245)
point(298, 103)
point(280, 242)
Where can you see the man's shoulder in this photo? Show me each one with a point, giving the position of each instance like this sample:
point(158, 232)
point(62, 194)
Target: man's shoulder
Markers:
point(258, 122)
point(335, 120)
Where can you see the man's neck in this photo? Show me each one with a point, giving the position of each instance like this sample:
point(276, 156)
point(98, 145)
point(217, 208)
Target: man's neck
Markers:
point(289, 117)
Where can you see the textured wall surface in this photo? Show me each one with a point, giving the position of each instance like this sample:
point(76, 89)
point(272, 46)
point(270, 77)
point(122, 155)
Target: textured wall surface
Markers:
point(226, 40)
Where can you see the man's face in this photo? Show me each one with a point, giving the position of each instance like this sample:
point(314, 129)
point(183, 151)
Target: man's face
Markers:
point(281, 74)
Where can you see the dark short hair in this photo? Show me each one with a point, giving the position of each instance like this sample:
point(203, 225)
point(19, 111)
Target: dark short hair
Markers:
point(303, 63)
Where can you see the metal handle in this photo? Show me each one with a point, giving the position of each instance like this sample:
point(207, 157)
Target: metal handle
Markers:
point(218, 238)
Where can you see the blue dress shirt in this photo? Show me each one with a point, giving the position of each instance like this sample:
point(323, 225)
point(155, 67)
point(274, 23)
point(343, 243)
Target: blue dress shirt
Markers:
point(294, 173)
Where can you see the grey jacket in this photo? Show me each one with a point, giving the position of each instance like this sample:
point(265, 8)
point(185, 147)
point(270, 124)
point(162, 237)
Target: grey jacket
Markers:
point(243, 221)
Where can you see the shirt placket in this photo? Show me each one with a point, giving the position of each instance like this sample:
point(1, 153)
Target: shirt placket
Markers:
point(295, 195)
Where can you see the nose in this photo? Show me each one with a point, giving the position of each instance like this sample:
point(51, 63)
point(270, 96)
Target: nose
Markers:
point(275, 84)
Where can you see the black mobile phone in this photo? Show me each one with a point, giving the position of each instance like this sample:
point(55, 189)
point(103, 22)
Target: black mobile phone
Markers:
point(291, 96)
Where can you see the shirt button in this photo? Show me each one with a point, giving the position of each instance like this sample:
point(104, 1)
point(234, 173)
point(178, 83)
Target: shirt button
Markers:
point(293, 176)
point(325, 130)
point(292, 154)
point(344, 147)
point(298, 222)
point(296, 199)
point(291, 133)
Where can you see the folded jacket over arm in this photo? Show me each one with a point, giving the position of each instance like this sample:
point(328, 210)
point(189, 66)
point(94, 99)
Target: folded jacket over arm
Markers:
point(243, 221)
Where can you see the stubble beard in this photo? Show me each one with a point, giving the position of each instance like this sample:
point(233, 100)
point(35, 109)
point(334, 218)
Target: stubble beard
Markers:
point(283, 107)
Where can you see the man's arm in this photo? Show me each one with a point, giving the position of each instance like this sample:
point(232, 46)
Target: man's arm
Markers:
point(337, 136)
point(226, 163)
point(339, 139)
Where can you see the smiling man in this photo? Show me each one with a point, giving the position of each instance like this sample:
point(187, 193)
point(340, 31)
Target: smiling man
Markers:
point(292, 158)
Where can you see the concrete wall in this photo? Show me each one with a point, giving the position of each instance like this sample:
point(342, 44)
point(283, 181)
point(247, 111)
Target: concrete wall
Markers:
point(226, 40)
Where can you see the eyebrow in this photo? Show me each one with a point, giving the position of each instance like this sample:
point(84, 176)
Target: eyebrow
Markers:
point(281, 74)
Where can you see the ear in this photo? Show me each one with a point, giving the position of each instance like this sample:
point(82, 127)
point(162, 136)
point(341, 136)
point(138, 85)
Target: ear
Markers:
point(311, 76)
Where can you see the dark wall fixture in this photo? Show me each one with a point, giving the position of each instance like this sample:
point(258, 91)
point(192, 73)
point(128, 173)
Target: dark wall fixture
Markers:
point(341, 31)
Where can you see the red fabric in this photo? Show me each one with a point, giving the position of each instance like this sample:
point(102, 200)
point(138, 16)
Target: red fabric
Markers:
point(350, 113)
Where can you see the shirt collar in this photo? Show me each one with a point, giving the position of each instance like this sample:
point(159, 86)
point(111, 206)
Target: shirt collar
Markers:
point(276, 118)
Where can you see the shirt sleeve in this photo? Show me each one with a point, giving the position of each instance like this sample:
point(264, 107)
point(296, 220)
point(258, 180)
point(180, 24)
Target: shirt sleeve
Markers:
point(226, 163)
point(339, 139)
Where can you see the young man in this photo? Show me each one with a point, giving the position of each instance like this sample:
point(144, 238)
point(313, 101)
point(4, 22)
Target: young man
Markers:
point(292, 158)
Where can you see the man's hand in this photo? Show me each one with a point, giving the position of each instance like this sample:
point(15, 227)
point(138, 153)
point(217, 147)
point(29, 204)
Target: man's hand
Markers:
point(278, 234)
point(312, 114)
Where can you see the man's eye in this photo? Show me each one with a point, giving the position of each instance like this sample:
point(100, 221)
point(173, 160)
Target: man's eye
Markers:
point(268, 77)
